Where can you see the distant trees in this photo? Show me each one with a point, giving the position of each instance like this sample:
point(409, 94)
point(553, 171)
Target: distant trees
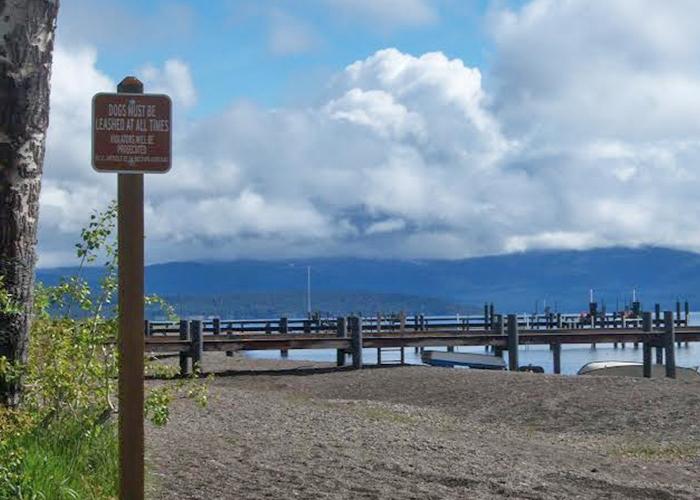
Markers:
point(27, 30)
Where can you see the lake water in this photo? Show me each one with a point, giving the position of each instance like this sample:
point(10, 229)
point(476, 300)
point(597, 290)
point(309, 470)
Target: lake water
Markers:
point(573, 357)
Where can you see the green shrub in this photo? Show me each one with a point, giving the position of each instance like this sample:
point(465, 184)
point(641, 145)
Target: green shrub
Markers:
point(62, 442)
point(64, 459)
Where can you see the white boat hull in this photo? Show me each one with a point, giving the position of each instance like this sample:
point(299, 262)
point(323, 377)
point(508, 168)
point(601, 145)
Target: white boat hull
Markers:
point(634, 369)
point(466, 359)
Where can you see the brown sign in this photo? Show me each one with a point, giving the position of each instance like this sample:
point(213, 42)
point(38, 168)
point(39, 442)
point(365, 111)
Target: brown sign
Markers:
point(131, 133)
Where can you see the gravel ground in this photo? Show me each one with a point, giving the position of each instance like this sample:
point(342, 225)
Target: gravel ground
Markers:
point(423, 433)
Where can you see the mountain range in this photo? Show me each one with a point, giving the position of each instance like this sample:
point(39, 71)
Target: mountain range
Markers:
point(517, 282)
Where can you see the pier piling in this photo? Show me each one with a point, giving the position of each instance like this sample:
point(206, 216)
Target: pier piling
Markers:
point(646, 354)
point(284, 328)
point(341, 332)
point(659, 355)
point(196, 344)
point(184, 335)
point(512, 342)
point(657, 315)
point(356, 333)
point(500, 330)
point(556, 357)
point(669, 337)
point(657, 324)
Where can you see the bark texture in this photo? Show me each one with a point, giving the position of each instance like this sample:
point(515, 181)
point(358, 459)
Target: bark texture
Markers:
point(27, 30)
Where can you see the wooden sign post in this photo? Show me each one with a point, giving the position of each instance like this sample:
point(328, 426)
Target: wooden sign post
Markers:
point(131, 135)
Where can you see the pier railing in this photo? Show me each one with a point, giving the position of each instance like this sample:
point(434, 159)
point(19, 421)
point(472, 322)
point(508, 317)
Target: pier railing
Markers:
point(418, 322)
point(349, 335)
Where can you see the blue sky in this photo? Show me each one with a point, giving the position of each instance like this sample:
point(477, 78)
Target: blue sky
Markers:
point(230, 45)
point(400, 129)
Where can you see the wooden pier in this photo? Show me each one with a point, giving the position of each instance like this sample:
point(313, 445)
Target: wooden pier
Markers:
point(350, 335)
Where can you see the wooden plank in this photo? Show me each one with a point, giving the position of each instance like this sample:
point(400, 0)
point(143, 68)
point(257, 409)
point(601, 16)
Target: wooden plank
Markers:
point(172, 345)
point(535, 337)
point(433, 341)
point(418, 339)
point(162, 330)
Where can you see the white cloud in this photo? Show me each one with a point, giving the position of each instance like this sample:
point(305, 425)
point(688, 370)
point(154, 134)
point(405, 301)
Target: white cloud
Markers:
point(73, 82)
point(389, 13)
point(377, 110)
point(289, 35)
point(577, 69)
point(552, 240)
point(386, 147)
point(444, 93)
point(174, 79)
point(70, 188)
point(603, 98)
point(247, 213)
point(386, 226)
point(585, 134)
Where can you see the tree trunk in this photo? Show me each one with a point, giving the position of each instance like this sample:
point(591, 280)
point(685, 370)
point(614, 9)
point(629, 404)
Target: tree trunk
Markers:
point(27, 30)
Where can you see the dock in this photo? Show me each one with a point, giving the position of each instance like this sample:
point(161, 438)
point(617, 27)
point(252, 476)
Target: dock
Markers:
point(350, 335)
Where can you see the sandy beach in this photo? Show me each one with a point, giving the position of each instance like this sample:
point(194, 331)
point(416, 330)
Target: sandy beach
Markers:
point(290, 429)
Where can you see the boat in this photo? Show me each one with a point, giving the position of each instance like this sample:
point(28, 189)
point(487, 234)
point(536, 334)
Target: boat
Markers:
point(466, 359)
point(634, 369)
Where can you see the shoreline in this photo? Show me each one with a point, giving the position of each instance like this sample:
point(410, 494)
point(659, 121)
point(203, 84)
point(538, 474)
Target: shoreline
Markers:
point(573, 356)
point(420, 432)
